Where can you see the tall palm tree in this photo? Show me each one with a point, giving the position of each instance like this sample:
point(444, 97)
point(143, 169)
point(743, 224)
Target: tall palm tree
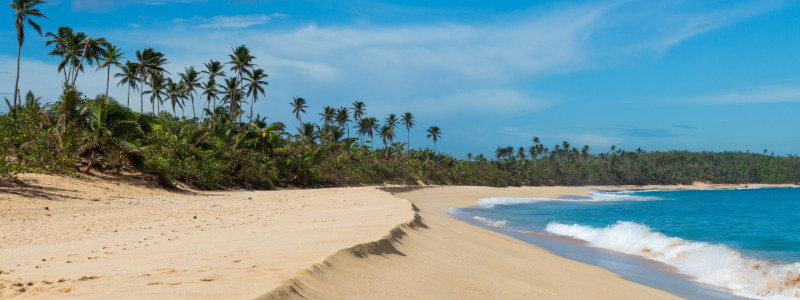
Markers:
point(129, 77)
point(255, 80)
point(343, 118)
point(387, 135)
point(149, 65)
point(371, 126)
point(328, 115)
point(60, 39)
point(110, 57)
point(175, 93)
point(73, 51)
point(435, 133)
point(408, 121)
point(23, 11)
point(91, 52)
point(190, 77)
point(210, 91)
point(231, 96)
point(392, 121)
point(298, 106)
point(157, 87)
point(241, 63)
point(359, 110)
point(213, 69)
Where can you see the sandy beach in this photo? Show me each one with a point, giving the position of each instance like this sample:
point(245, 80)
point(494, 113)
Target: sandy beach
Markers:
point(101, 238)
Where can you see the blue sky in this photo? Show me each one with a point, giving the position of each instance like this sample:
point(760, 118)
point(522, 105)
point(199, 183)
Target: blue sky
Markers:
point(660, 75)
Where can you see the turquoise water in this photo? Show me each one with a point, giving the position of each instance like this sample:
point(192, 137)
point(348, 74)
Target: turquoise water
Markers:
point(745, 240)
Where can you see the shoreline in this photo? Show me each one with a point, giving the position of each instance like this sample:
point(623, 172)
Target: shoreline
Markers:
point(99, 237)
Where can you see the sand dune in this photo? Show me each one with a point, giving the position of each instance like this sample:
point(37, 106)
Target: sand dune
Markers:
point(91, 238)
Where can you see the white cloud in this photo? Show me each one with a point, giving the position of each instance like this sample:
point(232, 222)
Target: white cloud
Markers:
point(218, 22)
point(774, 94)
point(108, 5)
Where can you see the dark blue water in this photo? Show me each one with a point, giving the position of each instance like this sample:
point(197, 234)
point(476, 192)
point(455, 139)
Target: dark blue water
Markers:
point(744, 240)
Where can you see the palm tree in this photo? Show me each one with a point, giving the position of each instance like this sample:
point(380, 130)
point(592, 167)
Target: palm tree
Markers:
point(73, 50)
point(149, 65)
point(343, 118)
point(255, 81)
point(408, 121)
point(307, 132)
point(23, 11)
point(110, 57)
point(435, 133)
point(298, 106)
point(210, 91)
point(241, 62)
point(231, 96)
point(175, 93)
point(359, 110)
point(91, 52)
point(108, 128)
point(328, 115)
point(387, 135)
point(190, 77)
point(129, 77)
point(213, 69)
point(371, 125)
point(392, 121)
point(157, 87)
point(60, 39)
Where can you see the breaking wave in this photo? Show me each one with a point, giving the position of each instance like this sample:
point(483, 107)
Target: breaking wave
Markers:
point(714, 264)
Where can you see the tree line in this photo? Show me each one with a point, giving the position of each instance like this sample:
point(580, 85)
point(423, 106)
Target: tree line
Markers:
point(218, 149)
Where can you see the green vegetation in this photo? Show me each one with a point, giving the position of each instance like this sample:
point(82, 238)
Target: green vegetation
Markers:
point(217, 149)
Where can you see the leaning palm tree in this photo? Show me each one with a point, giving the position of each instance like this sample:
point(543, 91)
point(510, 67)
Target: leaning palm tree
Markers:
point(255, 80)
point(298, 106)
point(190, 77)
point(92, 49)
point(129, 77)
point(328, 114)
point(175, 93)
point(110, 56)
point(408, 121)
point(23, 11)
point(241, 63)
point(210, 91)
point(435, 133)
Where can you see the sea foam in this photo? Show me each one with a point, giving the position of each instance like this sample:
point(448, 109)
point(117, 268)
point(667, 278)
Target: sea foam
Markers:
point(709, 263)
point(594, 197)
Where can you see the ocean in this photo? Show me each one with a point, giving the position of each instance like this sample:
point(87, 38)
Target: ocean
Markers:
point(745, 241)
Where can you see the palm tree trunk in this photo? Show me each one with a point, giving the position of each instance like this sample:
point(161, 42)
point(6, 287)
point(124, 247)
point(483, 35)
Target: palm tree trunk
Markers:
point(16, 85)
point(251, 106)
point(108, 80)
point(75, 78)
point(408, 145)
point(129, 95)
point(193, 112)
point(141, 95)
